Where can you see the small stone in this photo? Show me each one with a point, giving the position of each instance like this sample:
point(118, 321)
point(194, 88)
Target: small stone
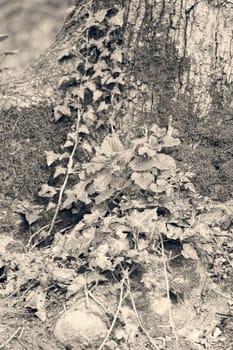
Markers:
point(81, 327)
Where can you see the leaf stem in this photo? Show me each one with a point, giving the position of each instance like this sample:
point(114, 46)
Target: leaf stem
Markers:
point(68, 172)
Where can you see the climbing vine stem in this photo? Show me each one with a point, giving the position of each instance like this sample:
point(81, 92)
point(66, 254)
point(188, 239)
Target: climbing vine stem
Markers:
point(68, 172)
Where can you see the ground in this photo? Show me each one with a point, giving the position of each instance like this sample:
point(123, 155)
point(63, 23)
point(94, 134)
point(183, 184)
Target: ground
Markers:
point(176, 288)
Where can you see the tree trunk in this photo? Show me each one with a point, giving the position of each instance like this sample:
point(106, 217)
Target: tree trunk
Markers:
point(175, 61)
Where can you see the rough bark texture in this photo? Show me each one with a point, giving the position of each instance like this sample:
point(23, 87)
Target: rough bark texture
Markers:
point(177, 60)
point(183, 65)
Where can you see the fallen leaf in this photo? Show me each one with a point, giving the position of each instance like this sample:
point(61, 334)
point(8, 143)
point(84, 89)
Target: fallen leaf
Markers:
point(36, 301)
point(189, 252)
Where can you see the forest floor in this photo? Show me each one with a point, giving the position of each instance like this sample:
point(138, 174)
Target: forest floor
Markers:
point(177, 293)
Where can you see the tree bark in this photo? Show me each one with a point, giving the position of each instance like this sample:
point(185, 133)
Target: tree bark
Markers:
point(176, 64)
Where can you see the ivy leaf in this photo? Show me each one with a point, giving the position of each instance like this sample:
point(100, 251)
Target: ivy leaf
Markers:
point(97, 94)
point(69, 200)
point(65, 82)
point(50, 206)
point(51, 157)
point(32, 217)
point(60, 111)
point(89, 116)
point(79, 91)
point(60, 170)
point(84, 129)
point(68, 144)
point(47, 191)
point(72, 243)
point(105, 76)
point(102, 106)
point(90, 85)
point(117, 20)
point(143, 180)
point(118, 56)
point(116, 91)
point(66, 53)
point(109, 79)
point(100, 67)
point(80, 192)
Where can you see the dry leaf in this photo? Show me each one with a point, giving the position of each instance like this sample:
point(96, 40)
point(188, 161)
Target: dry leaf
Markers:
point(189, 252)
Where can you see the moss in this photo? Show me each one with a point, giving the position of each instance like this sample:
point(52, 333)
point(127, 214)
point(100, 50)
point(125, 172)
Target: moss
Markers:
point(24, 137)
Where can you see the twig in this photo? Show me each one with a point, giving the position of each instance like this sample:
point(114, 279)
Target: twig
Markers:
point(223, 295)
point(86, 294)
point(21, 333)
point(97, 301)
point(44, 238)
point(10, 339)
point(35, 234)
point(138, 317)
point(168, 289)
point(68, 172)
point(116, 315)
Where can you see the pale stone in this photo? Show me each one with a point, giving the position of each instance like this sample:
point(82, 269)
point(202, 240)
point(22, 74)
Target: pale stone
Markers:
point(82, 327)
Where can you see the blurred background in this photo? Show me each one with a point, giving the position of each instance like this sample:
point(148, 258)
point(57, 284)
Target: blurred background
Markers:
point(32, 26)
